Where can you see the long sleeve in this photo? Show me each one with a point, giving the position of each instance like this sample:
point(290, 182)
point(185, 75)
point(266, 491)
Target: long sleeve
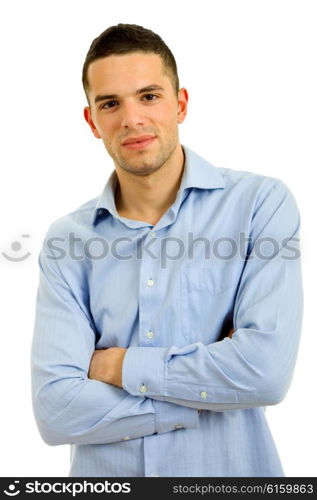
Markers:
point(68, 406)
point(256, 366)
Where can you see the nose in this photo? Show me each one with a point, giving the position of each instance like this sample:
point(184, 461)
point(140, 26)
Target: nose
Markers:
point(131, 115)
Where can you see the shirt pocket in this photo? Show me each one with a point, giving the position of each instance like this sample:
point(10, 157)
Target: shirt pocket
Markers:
point(207, 299)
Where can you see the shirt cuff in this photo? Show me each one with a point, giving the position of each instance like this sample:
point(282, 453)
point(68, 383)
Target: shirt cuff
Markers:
point(170, 417)
point(143, 374)
point(143, 371)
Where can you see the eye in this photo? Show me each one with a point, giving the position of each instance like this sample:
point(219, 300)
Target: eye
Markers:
point(108, 105)
point(150, 97)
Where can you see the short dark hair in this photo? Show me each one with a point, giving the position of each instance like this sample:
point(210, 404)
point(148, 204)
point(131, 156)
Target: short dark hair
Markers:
point(125, 39)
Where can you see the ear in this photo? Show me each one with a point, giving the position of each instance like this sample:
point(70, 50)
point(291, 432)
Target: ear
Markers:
point(182, 105)
point(88, 118)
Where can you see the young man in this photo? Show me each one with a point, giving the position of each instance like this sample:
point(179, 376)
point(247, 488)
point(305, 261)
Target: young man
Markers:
point(134, 359)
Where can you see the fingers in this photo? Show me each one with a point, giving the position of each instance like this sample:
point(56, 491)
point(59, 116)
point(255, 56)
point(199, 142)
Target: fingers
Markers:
point(231, 332)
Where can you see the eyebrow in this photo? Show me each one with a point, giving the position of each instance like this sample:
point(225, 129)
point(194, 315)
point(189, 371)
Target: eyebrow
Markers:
point(149, 88)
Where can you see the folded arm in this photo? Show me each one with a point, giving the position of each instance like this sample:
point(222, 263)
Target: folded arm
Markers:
point(70, 407)
point(255, 366)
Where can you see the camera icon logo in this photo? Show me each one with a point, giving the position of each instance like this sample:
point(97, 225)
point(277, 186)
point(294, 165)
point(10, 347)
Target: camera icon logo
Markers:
point(12, 490)
point(16, 247)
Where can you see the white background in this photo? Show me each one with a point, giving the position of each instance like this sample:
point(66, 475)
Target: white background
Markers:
point(250, 70)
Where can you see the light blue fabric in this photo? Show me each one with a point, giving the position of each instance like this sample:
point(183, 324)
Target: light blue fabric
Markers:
point(193, 401)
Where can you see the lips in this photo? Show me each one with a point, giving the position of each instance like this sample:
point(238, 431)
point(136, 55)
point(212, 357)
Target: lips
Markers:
point(138, 142)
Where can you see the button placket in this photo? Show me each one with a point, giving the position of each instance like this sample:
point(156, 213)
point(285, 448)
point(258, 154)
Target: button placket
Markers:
point(148, 292)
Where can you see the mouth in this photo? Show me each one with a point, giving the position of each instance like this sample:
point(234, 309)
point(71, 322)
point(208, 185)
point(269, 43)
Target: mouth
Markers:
point(138, 142)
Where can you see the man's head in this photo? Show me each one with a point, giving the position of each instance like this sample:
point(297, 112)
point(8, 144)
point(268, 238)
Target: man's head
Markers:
point(135, 106)
point(127, 39)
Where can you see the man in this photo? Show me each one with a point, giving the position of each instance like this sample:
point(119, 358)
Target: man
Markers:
point(169, 308)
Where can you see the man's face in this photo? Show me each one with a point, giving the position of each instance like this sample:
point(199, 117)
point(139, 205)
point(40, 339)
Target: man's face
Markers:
point(134, 110)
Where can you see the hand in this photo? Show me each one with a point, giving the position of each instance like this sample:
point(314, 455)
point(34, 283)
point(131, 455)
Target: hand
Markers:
point(106, 365)
point(231, 332)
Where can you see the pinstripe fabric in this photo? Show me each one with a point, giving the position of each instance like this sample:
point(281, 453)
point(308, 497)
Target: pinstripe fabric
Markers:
point(225, 254)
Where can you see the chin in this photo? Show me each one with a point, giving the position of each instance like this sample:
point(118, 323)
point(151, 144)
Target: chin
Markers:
point(141, 170)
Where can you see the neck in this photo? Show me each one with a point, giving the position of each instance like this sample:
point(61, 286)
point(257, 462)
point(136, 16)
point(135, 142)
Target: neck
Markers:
point(148, 197)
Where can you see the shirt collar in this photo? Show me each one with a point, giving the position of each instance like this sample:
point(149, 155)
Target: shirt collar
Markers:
point(198, 173)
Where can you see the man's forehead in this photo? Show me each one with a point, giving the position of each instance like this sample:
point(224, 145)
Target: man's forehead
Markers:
point(126, 71)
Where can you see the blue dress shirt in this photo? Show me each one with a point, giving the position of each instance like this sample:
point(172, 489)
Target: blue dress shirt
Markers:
point(226, 253)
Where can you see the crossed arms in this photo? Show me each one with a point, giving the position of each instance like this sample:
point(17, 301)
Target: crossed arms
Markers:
point(106, 364)
point(84, 396)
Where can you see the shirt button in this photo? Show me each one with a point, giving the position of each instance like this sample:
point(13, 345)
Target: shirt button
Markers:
point(178, 426)
point(143, 388)
point(153, 234)
point(150, 282)
point(126, 438)
point(150, 334)
point(203, 395)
